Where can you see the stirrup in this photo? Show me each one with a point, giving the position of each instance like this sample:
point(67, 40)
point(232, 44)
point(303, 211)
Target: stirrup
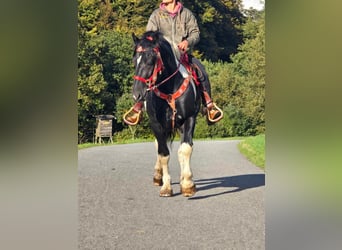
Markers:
point(218, 118)
point(128, 122)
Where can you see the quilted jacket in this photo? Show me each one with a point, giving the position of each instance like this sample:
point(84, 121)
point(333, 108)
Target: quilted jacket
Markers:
point(175, 29)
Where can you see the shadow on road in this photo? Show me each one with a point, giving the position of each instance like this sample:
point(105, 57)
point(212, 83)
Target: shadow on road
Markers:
point(239, 182)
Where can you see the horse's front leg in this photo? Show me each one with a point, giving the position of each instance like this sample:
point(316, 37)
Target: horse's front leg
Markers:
point(161, 175)
point(187, 186)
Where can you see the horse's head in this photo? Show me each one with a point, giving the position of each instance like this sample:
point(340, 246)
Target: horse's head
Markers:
point(147, 63)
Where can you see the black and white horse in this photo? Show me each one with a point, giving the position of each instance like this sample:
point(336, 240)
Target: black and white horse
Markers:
point(172, 103)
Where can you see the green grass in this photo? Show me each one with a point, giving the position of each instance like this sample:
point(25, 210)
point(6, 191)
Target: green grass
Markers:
point(254, 149)
point(89, 145)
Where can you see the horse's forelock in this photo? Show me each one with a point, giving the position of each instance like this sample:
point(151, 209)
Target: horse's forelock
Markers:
point(151, 39)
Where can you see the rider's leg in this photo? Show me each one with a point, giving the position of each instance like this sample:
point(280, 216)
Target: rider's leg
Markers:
point(214, 113)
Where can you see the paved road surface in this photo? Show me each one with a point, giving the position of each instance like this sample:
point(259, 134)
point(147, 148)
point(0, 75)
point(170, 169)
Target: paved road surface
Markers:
point(119, 208)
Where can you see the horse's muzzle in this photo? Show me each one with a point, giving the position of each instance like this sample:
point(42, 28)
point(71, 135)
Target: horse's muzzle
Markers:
point(136, 98)
point(139, 97)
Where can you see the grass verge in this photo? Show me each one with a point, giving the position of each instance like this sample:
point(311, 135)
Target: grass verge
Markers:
point(254, 149)
point(89, 145)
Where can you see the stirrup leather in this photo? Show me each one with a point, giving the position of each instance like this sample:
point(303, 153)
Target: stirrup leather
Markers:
point(131, 123)
point(218, 118)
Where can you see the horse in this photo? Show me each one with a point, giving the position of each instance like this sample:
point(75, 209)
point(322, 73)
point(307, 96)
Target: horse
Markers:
point(172, 102)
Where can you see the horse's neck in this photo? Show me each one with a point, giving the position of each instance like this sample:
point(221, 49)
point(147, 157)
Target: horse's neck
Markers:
point(173, 60)
point(169, 60)
point(171, 65)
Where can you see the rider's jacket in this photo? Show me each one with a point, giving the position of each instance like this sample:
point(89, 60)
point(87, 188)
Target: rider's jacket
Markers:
point(175, 28)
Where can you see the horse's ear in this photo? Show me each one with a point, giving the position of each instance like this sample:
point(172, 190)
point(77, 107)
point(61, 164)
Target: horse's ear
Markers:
point(135, 38)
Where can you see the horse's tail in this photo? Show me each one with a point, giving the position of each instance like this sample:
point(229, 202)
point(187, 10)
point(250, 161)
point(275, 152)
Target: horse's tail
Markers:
point(172, 135)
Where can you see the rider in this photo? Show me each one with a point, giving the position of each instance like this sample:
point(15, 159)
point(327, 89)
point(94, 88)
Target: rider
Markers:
point(179, 27)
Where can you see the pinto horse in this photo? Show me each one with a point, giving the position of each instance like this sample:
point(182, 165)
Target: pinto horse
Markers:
point(172, 103)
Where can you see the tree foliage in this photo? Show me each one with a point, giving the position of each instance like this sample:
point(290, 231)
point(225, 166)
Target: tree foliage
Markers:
point(239, 86)
point(104, 67)
point(249, 75)
point(220, 23)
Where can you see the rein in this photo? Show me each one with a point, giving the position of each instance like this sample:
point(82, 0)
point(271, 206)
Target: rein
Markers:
point(166, 79)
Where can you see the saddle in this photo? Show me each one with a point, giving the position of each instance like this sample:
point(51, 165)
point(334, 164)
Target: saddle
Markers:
point(191, 68)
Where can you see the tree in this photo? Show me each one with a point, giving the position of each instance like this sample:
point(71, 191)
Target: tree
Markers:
point(220, 23)
point(239, 87)
point(90, 87)
point(132, 15)
point(249, 75)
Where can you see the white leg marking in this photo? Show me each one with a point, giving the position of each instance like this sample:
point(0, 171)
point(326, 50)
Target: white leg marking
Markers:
point(184, 155)
point(181, 163)
point(164, 160)
point(166, 189)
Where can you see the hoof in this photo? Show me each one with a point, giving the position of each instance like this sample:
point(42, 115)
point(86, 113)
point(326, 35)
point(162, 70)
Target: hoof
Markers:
point(157, 182)
point(166, 193)
point(188, 192)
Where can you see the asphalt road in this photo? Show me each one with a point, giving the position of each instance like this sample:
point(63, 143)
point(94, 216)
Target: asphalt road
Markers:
point(120, 208)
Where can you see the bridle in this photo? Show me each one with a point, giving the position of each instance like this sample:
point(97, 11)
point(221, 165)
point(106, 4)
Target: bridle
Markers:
point(158, 68)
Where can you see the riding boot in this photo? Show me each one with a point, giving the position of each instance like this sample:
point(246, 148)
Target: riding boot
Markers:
point(133, 116)
point(214, 113)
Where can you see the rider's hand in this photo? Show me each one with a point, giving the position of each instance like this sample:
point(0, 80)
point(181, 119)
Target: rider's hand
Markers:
point(183, 45)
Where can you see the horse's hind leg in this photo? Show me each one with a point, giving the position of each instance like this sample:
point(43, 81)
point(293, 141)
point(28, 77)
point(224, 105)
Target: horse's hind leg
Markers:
point(187, 185)
point(161, 172)
point(158, 170)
